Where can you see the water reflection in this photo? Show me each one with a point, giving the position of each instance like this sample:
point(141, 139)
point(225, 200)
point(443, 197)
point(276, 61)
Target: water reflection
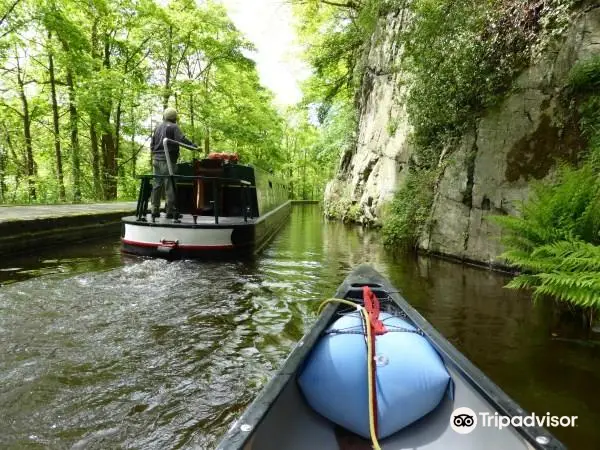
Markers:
point(103, 351)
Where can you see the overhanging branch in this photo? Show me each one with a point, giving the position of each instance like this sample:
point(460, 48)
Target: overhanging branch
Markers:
point(9, 10)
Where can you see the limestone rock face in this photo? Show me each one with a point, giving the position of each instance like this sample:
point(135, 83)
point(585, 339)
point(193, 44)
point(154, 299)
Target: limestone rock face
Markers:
point(368, 176)
point(491, 168)
point(517, 142)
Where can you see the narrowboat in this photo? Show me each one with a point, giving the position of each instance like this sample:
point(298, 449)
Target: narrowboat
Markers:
point(373, 373)
point(222, 209)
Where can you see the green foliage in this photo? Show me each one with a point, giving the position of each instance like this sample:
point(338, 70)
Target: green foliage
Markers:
point(567, 209)
point(336, 209)
point(343, 209)
point(335, 37)
point(584, 77)
point(353, 213)
point(337, 135)
point(392, 126)
point(584, 86)
point(304, 169)
point(408, 212)
point(313, 149)
point(125, 60)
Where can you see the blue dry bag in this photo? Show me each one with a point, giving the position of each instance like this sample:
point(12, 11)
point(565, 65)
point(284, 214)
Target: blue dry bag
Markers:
point(411, 377)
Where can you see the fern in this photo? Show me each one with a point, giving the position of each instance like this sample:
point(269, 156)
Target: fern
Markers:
point(568, 270)
point(555, 241)
point(581, 289)
point(569, 209)
point(585, 76)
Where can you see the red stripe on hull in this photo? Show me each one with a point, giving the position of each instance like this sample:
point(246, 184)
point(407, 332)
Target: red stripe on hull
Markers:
point(181, 247)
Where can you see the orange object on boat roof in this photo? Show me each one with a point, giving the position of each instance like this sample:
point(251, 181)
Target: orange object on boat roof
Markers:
point(231, 157)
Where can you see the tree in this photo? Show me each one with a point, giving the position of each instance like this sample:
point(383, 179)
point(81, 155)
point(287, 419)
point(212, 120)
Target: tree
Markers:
point(108, 68)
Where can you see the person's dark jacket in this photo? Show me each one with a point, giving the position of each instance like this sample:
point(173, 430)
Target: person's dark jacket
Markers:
point(167, 130)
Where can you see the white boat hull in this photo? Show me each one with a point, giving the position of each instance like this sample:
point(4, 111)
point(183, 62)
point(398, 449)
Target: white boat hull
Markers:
point(203, 237)
point(182, 238)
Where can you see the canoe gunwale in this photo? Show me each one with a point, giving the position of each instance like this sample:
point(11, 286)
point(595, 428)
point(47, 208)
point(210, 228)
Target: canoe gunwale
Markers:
point(238, 434)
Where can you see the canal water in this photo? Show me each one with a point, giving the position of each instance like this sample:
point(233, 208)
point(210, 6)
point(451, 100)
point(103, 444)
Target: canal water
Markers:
point(105, 351)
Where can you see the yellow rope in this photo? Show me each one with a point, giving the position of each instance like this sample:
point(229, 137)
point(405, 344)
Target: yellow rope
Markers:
point(337, 300)
point(370, 358)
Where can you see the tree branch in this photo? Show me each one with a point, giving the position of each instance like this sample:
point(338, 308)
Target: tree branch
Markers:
point(10, 9)
point(40, 122)
point(136, 51)
point(142, 59)
point(350, 4)
point(187, 44)
point(13, 109)
point(135, 154)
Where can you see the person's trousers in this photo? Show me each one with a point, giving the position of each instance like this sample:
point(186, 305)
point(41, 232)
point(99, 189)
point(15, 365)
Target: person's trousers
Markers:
point(161, 168)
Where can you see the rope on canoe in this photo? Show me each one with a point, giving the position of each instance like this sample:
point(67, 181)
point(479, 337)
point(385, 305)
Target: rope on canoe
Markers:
point(354, 331)
point(367, 323)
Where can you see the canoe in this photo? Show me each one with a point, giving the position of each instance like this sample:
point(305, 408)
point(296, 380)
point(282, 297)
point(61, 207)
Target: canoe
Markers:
point(280, 417)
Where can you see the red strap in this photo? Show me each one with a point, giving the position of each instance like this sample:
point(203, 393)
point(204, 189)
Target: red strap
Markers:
point(372, 306)
point(371, 303)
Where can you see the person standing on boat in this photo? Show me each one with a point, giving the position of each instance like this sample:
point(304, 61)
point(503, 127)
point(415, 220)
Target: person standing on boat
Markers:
point(167, 129)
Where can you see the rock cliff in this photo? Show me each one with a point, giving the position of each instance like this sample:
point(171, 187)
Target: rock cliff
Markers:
point(491, 167)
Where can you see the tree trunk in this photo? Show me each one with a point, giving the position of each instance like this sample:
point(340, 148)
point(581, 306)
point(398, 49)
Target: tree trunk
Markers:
point(133, 150)
point(118, 115)
point(169, 67)
point(73, 120)
point(109, 156)
point(192, 116)
point(110, 166)
point(304, 175)
point(293, 159)
point(57, 151)
point(73, 127)
point(133, 156)
point(94, 147)
point(20, 165)
point(2, 175)
point(95, 160)
point(207, 141)
point(28, 143)
point(207, 128)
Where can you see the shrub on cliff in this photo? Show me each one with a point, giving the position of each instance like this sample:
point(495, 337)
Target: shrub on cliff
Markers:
point(584, 92)
point(342, 209)
point(407, 214)
point(463, 56)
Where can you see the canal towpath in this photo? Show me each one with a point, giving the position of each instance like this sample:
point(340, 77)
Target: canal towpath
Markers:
point(25, 228)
